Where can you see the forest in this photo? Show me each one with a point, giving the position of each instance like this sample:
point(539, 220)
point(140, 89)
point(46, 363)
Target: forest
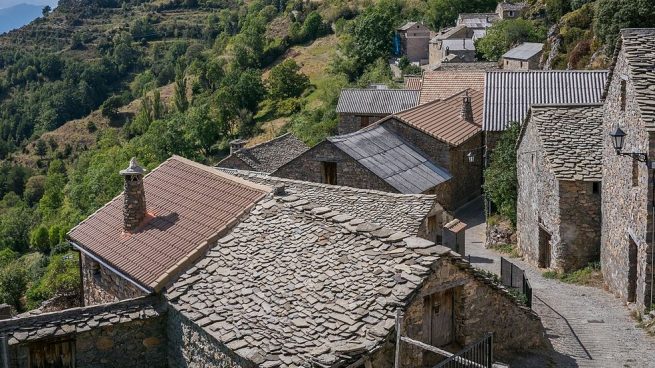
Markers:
point(148, 79)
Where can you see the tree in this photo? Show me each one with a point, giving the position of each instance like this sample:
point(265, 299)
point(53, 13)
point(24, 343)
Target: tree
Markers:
point(34, 189)
point(13, 283)
point(180, 100)
point(372, 36)
point(202, 129)
point(46, 10)
point(286, 80)
point(500, 177)
point(613, 15)
point(311, 28)
point(505, 34)
point(39, 239)
point(41, 148)
point(443, 13)
point(109, 108)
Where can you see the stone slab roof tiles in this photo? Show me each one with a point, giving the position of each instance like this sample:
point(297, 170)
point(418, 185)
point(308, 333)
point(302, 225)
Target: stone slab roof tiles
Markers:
point(639, 47)
point(298, 285)
point(392, 159)
point(524, 51)
point(477, 20)
point(376, 101)
point(403, 212)
point(188, 205)
point(439, 85)
point(442, 119)
point(271, 155)
point(571, 138)
point(512, 6)
point(509, 94)
point(467, 66)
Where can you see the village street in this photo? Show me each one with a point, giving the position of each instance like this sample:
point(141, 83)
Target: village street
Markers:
point(587, 326)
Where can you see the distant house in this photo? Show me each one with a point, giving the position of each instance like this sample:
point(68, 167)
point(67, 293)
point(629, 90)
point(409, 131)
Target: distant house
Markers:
point(414, 39)
point(452, 45)
point(413, 81)
point(477, 22)
point(264, 157)
point(507, 10)
point(559, 171)
point(359, 108)
point(525, 56)
point(439, 85)
point(509, 95)
point(478, 65)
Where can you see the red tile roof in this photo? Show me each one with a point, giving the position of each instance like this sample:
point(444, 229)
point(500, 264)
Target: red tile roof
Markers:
point(442, 118)
point(189, 205)
point(413, 81)
point(438, 85)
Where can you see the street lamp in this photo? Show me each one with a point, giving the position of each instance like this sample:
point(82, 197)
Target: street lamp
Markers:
point(618, 139)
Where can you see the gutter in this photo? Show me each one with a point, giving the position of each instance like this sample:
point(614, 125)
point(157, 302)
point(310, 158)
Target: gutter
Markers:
point(112, 269)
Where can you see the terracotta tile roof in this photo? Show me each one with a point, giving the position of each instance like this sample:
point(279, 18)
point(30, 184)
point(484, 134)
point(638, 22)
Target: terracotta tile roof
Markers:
point(403, 212)
point(297, 285)
point(438, 85)
point(571, 137)
point(189, 204)
point(442, 119)
point(413, 82)
point(270, 155)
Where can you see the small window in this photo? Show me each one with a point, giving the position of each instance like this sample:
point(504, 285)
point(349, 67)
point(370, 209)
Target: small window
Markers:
point(94, 268)
point(623, 91)
point(521, 64)
point(329, 172)
point(511, 13)
point(595, 187)
point(635, 173)
point(364, 121)
point(534, 160)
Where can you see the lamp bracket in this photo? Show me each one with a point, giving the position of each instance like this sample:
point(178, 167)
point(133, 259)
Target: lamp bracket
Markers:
point(639, 156)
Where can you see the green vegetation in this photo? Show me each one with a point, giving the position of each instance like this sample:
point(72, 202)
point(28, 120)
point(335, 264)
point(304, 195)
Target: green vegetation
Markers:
point(589, 276)
point(443, 13)
point(505, 34)
point(500, 183)
point(508, 249)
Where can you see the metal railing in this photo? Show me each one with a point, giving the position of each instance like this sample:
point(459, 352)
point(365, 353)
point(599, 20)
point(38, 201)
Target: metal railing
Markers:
point(478, 355)
point(514, 277)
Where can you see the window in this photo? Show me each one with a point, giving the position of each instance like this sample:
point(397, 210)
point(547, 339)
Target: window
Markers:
point(94, 267)
point(521, 65)
point(364, 121)
point(329, 172)
point(595, 187)
point(635, 173)
point(511, 13)
point(623, 90)
point(534, 160)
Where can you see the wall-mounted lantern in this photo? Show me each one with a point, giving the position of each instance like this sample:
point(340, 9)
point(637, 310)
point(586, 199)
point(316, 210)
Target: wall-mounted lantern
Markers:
point(618, 140)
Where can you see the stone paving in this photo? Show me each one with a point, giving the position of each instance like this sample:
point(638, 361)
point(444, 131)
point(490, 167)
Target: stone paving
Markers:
point(587, 326)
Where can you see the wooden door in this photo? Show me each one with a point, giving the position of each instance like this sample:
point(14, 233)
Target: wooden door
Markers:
point(441, 318)
point(545, 250)
point(632, 271)
point(330, 173)
point(52, 354)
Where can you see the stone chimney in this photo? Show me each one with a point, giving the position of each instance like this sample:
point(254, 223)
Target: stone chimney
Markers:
point(134, 204)
point(467, 109)
point(236, 145)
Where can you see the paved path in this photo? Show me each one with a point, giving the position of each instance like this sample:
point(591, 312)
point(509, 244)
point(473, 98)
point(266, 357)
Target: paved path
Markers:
point(587, 326)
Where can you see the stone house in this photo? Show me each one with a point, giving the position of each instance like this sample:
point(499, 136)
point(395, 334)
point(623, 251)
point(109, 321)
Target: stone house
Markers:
point(452, 45)
point(509, 95)
point(627, 231)
point(265, 157)
point(525, 56)
point(140, 241)
point(414, 38)
point(559, 172)
point(447, 131)
point(285, 283)
point(359, 108)
point(507, 10)
point(476, 66)
point(370, 158)
point(442, 84)
point(477, 22)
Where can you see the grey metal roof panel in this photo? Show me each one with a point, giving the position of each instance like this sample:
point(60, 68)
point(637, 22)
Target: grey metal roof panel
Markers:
point(524, 51)
point(392, 159)
point(376, 101)
point(458, 44)
point(509, 94)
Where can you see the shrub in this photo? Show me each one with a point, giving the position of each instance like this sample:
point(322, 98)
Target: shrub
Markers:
point(505, 34)
point(40, 240)
point(61, 277)
point(500, 177)
point(13, 283)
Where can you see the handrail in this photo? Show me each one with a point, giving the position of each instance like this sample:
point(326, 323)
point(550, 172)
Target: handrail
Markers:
point(445, 353)
point(486, 339)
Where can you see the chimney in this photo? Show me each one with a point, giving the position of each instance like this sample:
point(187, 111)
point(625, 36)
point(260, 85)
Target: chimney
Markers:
point(236, 145)
point(467, 109)
point(134, 203)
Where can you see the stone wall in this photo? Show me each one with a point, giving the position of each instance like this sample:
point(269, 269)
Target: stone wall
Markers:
point(234, 162)
point(129, 334)
point(189, 346)
point(349, 172)
point(349, 123)
point(580, 222)
point(626, 215)
point(415, 47)
point(101, 285)
point(480, 306)
point(530, 64)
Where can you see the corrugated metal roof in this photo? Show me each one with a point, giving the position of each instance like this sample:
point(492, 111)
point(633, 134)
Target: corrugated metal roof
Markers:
point(392, 159)
point(509, 94)
point(376, 101)
point(438, 85)
point(524, 51)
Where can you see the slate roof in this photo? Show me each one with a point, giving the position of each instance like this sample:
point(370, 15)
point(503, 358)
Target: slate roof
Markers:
point(392, 159)
point(638, 45)
point(447, 33)
point(509, 94)
point(524, 51)
point(376, 101)
point(298, 285)
point(458, 44)
point(438, 85)
point(413, 82)
point(442, 119)
point(571, 138)
point(512, 6)
point(403, 212)
point(467, 66)
point(188, 205)
point(270, 155)
point(409, 25)
point(477, 20)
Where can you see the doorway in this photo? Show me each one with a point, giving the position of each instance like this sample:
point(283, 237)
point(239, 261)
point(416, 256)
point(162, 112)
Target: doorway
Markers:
point(632, 271)
point(52, 354)
point(441, 318)
point(329, 172)
point(545, 250)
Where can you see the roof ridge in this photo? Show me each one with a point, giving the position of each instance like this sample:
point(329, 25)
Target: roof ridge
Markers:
point(223, 175)
point(566, 105)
